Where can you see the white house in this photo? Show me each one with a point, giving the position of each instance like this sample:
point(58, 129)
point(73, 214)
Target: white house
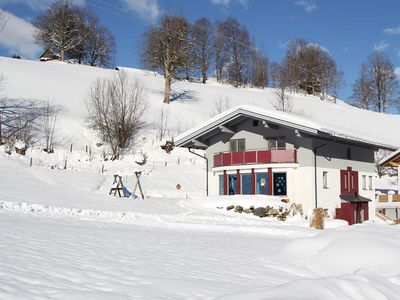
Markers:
point(257, 151)
point(389, 205)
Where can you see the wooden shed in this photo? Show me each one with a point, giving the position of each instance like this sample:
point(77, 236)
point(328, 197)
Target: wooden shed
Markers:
point(48, 54)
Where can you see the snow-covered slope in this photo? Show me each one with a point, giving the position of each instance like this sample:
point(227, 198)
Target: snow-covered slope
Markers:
point(63, 237)
point(192, 103)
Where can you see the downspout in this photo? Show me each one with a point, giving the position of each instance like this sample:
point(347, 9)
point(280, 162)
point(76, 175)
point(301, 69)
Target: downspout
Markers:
point(203, 157)
point(315, 173)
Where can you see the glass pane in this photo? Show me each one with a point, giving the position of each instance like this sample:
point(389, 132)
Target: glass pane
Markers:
point(325, 179)
point(221, 184)
point(280, 184)
point(232, 184)
point(241, 145)
point(281, 144)
point(233, 146)
point(246, 184)
point(262, 183)
point(272, 144)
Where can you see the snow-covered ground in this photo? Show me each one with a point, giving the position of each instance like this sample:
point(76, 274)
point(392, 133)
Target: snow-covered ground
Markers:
point(63, 237)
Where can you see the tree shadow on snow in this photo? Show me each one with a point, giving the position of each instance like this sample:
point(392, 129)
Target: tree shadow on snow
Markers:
point(183, 96)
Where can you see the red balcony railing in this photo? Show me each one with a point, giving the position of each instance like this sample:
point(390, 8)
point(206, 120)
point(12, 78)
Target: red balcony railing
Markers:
point(255, 157)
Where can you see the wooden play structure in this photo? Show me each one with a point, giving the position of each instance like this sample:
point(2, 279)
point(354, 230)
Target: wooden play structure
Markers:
point(118, 186)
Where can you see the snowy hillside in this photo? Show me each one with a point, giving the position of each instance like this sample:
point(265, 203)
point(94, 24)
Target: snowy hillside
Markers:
point(192, 103)
point(63, 237)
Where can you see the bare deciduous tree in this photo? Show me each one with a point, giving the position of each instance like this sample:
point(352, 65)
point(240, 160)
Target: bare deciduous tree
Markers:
point(115, 109)
point(258, 68)
point(362, 90)
point(310, 68)
point(235, 44)
point(59, 27)
point(221, 57)
point(3, 20)
point(203, 40)
point(165, 47)
point(162, 124)
point(19, 119)
point(220, 106)
point(380, 75)
point(50, 117)
point(282, 101)
point(275, 70)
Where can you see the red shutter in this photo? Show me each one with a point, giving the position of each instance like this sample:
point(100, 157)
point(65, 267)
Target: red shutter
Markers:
point(238, 185)
point(343, 182)
point(354, 175)
point(225, 183)
point(253, 182)
point(270, 181)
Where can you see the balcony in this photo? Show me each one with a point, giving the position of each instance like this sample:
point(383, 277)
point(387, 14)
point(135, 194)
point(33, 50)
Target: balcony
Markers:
point(223, 159)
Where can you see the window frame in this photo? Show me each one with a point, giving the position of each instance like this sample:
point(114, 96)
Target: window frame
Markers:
point(325, 180)
point(236, 143)
point(364, 182)
point(370, 182)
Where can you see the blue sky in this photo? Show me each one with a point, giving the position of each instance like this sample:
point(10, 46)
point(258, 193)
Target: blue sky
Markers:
point(349, 29)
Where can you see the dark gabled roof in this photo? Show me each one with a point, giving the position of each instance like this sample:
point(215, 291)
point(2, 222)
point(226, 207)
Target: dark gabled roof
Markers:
point(354, 198)
point(188, 139)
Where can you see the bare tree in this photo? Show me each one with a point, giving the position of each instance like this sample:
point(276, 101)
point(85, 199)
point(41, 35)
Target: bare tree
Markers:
point(3, 20)
point(221, 57)
point(59, 27)
point(50, 117)
point(362, 90)
point(203, 40)
point(310, 68)
point(166, 47)
point(379, 155)
point(162, 124)
point(282, 101)
point(98, 47)
point(115, 109)
point(236, 41)
point(380, 75)
point(19, 119)
point(220, 106)
point(258, 68)
point(275, 70)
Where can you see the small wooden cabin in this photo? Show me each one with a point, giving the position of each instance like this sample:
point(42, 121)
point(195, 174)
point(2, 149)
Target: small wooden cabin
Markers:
point(48, 54)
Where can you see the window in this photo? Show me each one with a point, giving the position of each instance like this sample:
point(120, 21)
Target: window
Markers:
point(325, 179)
point(348, 153)
point(246, 184)
point(232, 180)
point(277, 143)
point(370, 182)
point(262, 183)
point(238, 145)
point(280, 184)
point(364, 182)
point(255, 123)
point(221, 184)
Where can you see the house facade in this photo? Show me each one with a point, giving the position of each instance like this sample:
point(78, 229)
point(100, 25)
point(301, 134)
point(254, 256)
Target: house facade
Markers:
point(253, 151)
point(389, 204)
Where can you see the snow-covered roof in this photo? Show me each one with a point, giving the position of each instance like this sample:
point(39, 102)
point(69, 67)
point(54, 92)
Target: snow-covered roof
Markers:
point(393, 156)
point(289, 120)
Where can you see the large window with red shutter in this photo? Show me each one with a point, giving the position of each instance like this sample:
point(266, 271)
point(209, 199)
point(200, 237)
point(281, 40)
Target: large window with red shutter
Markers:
point(348, 182)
